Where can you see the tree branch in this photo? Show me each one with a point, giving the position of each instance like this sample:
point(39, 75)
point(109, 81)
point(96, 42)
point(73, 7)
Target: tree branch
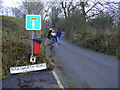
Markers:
point(64, 9)
point(94, 15)
point(92, 7)
point(74, 7)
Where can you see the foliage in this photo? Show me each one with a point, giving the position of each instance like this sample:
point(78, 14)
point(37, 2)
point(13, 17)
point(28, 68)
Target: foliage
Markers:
point(54, 16)
point(102, 22)
point(60, 23)
point(16, 46)
point(101, 41)
point(70, 84)
point(99, 33)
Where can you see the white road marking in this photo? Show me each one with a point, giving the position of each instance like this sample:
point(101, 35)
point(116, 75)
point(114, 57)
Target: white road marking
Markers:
point(57, 79)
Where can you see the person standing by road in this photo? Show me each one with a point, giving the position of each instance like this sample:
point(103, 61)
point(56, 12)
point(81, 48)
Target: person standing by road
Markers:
point(53, 39)
point(53, 34)
point(49, 34)
point(58, 32)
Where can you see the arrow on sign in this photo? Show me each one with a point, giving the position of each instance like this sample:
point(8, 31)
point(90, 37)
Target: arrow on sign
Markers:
point(33, 21)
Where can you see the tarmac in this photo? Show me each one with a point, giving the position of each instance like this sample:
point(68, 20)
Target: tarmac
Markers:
point(37, 79)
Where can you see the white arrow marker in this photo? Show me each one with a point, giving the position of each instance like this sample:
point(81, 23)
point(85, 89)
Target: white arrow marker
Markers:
point(33, 22)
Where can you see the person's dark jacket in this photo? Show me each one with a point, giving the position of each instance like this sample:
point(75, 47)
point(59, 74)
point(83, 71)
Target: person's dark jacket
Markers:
point(58, 33)
point(49, 34)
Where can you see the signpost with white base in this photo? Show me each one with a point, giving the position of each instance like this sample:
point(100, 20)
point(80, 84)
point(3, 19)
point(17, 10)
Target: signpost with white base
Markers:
point(33, 22)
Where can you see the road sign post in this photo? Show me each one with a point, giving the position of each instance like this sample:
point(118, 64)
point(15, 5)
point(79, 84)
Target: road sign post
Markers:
point(33, 22)
point(32, 45)
point(32, 59)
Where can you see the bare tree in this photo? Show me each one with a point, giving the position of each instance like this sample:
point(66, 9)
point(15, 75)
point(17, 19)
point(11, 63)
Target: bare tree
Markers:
point(68, 7)
point(16, 12)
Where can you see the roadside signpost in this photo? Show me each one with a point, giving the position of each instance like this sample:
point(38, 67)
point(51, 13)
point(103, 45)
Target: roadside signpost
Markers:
point(33, 23)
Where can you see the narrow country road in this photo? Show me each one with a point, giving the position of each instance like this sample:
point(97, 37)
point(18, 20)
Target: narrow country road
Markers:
point(87, 68)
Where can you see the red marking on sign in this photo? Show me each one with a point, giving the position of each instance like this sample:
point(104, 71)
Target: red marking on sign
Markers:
point(33, 18)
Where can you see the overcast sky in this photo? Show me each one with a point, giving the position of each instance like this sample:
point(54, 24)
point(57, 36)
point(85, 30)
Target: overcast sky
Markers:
point(11, 3)
point(16, 3)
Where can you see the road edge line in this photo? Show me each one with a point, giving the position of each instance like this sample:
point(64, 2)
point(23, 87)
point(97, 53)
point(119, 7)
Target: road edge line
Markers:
point(57, 79)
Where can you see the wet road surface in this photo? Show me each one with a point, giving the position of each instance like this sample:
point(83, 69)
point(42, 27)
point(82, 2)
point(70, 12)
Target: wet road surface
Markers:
point(87, 68)
point(40, 79)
